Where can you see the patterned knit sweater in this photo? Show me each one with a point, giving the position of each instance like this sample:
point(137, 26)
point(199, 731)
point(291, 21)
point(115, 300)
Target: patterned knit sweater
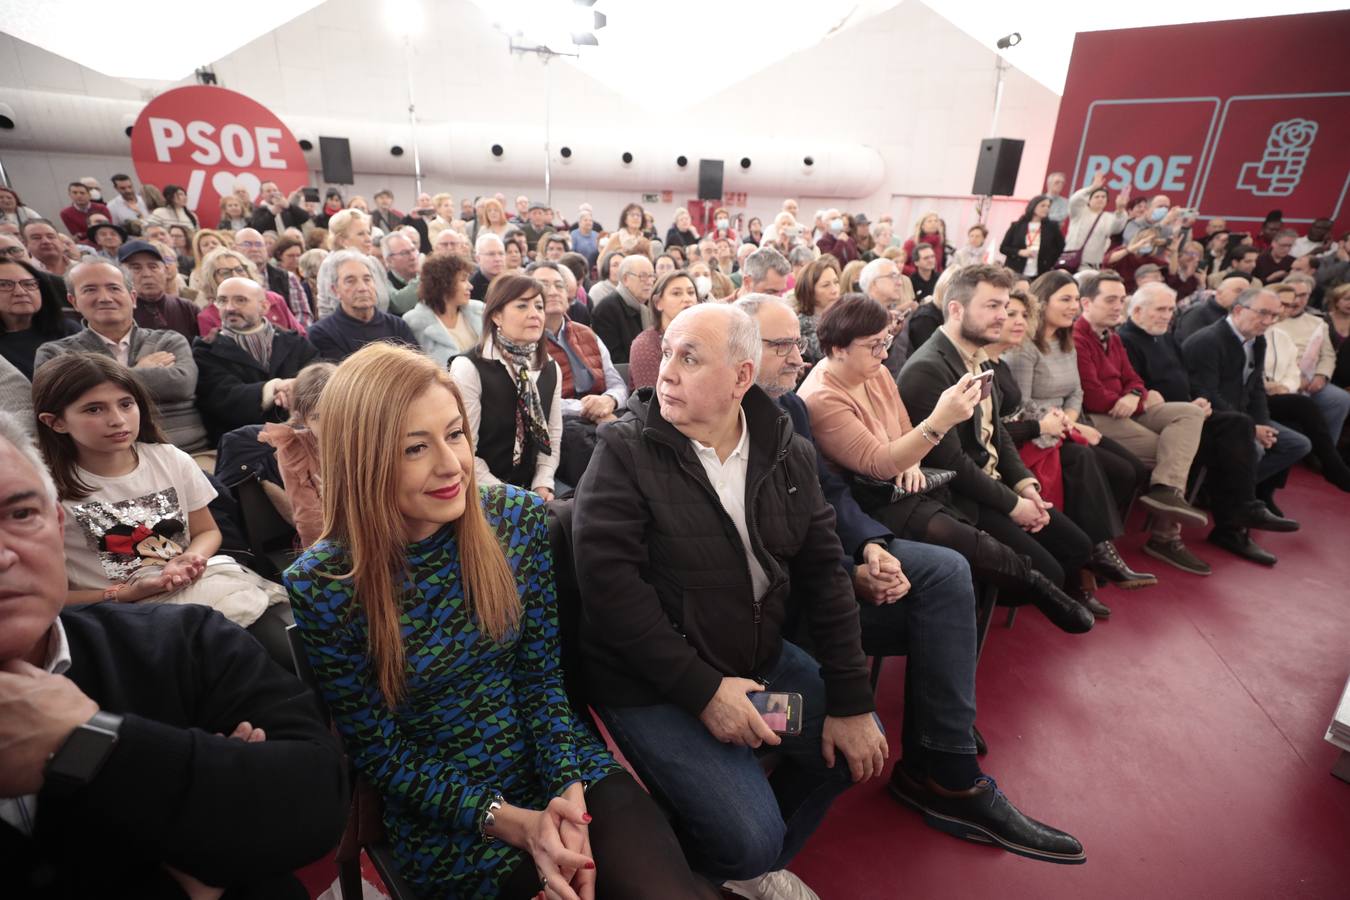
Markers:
point(478, 717)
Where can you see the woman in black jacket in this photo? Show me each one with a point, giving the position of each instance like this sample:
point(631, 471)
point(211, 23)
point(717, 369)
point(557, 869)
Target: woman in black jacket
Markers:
point(681, 233)
point(1033, 243)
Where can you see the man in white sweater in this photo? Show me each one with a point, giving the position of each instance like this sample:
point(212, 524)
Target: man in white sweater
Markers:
point(1316, 355)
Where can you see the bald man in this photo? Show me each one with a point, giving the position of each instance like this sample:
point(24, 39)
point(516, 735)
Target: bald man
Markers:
point(246, 369)
point(1212, 308)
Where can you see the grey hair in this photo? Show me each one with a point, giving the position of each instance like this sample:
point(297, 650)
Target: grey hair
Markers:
point(743, 342)
point(12, 430)
point(327, 280)
point(1299, 278)
point(1286, 232)
point(801, 255)
point(311, 260)
point(384, 241)
point(762, 262)
point(1248, 297)
point(1145, 294)
point(486, 238)
point(69, 277)
point(870, 272)
point(751, 304)
point(629, 264)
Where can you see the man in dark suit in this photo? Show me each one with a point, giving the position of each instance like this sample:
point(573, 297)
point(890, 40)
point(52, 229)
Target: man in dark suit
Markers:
point(992, 488)
point(117, 777)
point(1226, 364)
point(246, 369)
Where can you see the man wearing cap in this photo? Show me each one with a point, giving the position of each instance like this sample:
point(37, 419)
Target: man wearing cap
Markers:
point(539, 224)
point(108, 238)
point(155, 308)
point(384, 216)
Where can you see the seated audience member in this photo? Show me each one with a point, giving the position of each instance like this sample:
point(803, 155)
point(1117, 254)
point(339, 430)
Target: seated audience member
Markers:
point(920, 596)
point(277, 212)
point(108, 238)
point(1184, 272)
point(976, 252)
point(175, 210)
point(1333, 267)
point(1068, 468)
point(681, 233)
point(817, 289)
point(511, 375)
point(12, 210)
point(446, 321)
point(1164, 435)
point(76, 216)
point(490, 254)
point(585, 239)
point(608, 279)
point(286, 253)
point(543, 803)
point(136, 518)
point(120, 779)
point(276, 279)
point(234, 213)
point(674, 293)
point(400, 259)
point(992, 488)
point(628, 238)
point(925, 276)
point(622, 315)
point(1033, 243)
point(351, 230)
point(592, 390)
point(1338, 326)
point(352, 284)
point(1213, 308)
point(296, 444)
point(579, 307)
point(1142, 250)
point(246, 370)
point(1316, 242)
point(16, 395)
point(1149, 273)
point(225, 263)
point(1288, 404)
point(765, 271)
point(1226, 365)
point(835, 241)
point(1239, 259)
point(861, 427)
point(44, 247)
point(1276, 260)
point(162, 359)
point(30, 314)
point(653, 515)
point(155, 307)
point(1311, 338)
point(929, 231)
point(538, 222)
point(1227, 449)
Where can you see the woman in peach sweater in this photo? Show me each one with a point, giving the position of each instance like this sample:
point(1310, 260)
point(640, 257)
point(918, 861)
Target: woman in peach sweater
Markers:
point(861, 427)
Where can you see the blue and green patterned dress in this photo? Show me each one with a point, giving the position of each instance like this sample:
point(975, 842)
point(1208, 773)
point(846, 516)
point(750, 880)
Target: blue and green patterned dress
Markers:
point(479, 717)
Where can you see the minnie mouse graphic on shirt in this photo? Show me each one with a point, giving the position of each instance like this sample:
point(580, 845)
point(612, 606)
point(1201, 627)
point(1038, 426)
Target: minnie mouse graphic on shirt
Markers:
point(130, 534)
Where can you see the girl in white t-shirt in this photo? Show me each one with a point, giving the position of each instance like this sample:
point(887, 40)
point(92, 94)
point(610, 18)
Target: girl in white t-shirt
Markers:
point(137, 526)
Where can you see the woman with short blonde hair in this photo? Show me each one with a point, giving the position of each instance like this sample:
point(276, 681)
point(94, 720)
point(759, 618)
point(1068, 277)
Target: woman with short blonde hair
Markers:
point(350, 230)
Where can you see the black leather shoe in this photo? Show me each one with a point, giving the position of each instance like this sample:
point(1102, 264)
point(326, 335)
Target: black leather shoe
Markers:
point(1107, 565)
point(1241, 544)
point(985, 815)
point(1066, 612)
point(1097, 608)
point(1269, 503)
point(1257, 515)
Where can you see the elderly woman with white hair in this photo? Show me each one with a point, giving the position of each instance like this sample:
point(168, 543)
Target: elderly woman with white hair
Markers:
point(222, 264)
point(353, 299)
point(350, 230)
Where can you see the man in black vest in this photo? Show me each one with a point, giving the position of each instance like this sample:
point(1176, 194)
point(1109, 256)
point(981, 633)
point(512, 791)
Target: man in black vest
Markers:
point(116, 778)
point(245, 371)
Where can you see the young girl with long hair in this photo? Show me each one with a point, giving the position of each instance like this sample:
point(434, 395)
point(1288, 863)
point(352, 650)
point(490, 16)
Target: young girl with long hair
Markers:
point(137, 524)
point(427, 610)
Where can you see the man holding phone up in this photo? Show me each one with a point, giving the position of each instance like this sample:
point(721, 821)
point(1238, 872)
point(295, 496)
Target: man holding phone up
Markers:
point(699, 522)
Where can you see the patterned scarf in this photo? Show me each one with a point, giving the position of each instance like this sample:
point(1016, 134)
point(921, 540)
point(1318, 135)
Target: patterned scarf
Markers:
point(531, 423)
point(256, 343)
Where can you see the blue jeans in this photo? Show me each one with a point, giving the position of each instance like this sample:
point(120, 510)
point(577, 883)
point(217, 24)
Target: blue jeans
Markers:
point(1334, 404)
point(1290, 447)
point(734, 823)
point(934, 625)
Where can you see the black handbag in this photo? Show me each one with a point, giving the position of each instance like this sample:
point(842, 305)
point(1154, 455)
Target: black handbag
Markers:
point(873, 492)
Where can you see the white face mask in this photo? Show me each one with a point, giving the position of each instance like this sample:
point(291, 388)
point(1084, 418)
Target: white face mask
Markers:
point(836, 226)
point(722, 223)
point(703, 284)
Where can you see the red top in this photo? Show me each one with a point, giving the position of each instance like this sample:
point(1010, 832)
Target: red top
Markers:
point(841, 247)
point(935, 241)
point(77, 221)
point(1105, 373)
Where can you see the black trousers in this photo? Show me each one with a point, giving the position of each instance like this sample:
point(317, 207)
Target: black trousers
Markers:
point(1301, 414)
point(636, 853)
point(1099, 485)
point(1228, 453)
point(1058, 551)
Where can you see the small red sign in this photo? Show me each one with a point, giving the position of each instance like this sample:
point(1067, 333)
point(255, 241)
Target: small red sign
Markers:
point(212, 141)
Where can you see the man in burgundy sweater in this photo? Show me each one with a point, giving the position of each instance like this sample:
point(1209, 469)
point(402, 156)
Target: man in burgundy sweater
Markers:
point(1165, 436)
point(76, 216)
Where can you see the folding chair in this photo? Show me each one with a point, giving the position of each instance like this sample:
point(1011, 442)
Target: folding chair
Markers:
point(271, 538)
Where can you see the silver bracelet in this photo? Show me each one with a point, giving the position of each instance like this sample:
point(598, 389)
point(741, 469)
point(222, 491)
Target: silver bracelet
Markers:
point(488, 817)
point(930, 433)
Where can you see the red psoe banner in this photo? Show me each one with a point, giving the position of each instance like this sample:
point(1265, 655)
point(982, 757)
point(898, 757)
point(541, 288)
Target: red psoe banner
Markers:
point(211, 141)
point(1181, 110)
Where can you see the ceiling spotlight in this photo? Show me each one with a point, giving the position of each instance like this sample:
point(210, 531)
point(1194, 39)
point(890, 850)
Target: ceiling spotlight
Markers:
point(566, 152)
point(627, 157)
point(1009, 40)
point(681, 161)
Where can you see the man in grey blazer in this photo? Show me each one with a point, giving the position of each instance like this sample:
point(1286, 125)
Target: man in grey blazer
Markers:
point(104, 296)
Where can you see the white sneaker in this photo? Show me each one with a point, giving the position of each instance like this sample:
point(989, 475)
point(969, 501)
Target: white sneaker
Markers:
point(780, 885)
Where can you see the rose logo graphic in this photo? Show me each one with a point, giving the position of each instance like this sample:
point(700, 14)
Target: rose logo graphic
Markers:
point(1281, 166)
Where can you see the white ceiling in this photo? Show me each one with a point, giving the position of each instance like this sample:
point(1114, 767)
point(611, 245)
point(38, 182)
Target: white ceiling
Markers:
point(697, 47)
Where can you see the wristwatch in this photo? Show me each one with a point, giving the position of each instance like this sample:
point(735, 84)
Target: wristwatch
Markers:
point(84, 752)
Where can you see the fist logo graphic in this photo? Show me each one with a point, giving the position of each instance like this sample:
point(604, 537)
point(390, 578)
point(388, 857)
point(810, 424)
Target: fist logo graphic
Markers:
point(1281, 166)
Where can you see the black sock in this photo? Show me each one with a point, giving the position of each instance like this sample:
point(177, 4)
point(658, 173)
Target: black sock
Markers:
point(953, 771)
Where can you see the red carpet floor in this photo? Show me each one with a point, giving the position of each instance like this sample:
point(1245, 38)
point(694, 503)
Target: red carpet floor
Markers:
point(1181, 741)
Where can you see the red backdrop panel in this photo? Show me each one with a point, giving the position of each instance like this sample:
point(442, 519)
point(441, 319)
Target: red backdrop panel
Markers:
point(1235, 118)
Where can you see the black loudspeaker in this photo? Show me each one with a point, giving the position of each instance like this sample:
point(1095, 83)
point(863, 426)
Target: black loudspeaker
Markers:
point(335, 154)
point(710, 179)
point(996, 171)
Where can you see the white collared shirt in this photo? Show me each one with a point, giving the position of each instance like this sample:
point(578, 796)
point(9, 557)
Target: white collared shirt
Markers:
point(120, 349)
point(21, 812)
point(728, 480)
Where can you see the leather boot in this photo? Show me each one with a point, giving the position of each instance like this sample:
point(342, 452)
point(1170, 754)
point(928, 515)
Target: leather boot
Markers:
point(1107, 565)
point(1085, 594)
point(996, 563)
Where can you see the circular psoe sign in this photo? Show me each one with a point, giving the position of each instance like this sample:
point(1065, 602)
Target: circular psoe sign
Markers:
point(211, 141)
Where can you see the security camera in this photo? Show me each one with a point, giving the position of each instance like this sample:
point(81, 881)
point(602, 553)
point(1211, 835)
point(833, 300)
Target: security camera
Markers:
point(395, 147)
point(1009, 40)
point(6, 116)
point(306, 140)
point(127, 122)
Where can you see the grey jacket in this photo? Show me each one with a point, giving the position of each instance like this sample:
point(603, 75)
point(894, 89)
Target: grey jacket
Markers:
point(174, 389)
point(16, 395)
